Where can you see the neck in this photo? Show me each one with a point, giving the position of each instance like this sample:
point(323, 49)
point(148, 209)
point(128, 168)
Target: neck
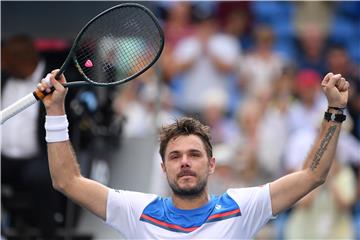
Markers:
point(190, 202)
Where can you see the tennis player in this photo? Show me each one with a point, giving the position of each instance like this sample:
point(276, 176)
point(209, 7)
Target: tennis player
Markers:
point(186, 151)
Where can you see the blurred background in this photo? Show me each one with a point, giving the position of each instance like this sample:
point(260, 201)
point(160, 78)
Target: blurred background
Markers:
point(249, 70)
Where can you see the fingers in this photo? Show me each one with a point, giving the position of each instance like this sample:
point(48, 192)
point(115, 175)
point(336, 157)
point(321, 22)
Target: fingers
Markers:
point(44, 85)
point(333, 81)
point(57, 85)
point(336, 89)
point(342, 85)
point(49, 81)
point(61, 78)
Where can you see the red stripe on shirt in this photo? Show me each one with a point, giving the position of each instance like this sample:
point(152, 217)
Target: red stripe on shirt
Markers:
point(224, 214)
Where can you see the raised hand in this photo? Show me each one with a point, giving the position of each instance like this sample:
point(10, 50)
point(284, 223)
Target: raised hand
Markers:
point(336, 89)
point(53, 102)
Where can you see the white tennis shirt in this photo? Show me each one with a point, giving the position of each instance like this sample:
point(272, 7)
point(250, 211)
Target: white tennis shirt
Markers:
point(237, 214)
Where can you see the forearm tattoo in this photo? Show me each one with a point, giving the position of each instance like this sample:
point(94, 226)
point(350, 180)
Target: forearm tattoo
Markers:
point(319, 153)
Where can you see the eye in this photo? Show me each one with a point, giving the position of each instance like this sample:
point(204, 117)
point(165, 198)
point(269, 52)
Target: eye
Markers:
point(174, 156)
point(195, 154)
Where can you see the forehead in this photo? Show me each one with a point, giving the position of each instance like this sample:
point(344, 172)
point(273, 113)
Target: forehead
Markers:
point(185, 143)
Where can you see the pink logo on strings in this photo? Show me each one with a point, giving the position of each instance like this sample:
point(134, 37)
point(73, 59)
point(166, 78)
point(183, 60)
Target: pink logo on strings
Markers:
point(89, 63)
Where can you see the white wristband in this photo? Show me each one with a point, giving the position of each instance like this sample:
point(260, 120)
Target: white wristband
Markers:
point(56, 128)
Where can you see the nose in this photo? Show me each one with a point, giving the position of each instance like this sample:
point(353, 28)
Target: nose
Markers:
point(185, 161)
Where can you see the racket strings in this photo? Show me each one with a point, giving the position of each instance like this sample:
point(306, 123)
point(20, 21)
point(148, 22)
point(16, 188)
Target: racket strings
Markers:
point(117, 45)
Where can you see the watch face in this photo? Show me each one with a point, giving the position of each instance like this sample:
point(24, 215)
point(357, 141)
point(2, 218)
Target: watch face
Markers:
point(332, 117)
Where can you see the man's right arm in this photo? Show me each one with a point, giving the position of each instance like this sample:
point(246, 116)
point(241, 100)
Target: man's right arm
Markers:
point(66, 178)
point(64, 168)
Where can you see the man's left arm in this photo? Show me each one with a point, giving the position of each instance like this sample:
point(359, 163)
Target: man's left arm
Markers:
point(287, 190)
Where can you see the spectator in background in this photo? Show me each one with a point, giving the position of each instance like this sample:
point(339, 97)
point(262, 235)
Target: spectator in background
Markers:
point(127, 105)
point(305, 111)
point(235, 19)
point(145, 105)
point(311, 48)
point(204, 61)
point(274, 125)
point(214, 114)
point(309, 12)
point(177, 26)
point(24, 165)
point(261, 66)
point(246, 159)
point(178, 23)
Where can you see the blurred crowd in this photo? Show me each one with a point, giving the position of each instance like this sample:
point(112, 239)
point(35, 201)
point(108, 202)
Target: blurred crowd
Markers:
point(252, 72)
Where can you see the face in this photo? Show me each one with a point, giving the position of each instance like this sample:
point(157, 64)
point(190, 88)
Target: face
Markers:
point(187, 165)
point(338, 60)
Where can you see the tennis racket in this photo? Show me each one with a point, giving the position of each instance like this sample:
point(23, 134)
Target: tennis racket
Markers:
point(114, 47)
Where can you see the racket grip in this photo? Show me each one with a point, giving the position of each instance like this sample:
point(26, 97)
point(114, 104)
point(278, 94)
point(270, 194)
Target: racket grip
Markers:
point(17, 107)
point(39, 95)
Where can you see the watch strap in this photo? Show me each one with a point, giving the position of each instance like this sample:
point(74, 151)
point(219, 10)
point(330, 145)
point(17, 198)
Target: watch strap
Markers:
point(335, 117)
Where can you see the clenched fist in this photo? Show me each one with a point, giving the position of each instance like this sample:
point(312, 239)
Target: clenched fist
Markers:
point(336, 89)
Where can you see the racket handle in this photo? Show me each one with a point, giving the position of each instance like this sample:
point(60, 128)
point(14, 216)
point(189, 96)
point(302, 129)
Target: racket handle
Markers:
point(23, 103)
point(17, 107)
point(57, 76)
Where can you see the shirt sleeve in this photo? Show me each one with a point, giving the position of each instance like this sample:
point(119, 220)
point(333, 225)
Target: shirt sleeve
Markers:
point(255, 206)
point(124, 209)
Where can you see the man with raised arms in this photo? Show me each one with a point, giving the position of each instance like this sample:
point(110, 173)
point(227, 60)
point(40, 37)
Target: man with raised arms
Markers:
point(187, 160)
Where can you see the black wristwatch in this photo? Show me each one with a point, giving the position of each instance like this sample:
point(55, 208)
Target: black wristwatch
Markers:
point(335, 117)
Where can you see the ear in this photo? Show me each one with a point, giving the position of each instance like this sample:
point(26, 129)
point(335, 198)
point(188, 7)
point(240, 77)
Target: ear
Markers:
point(212, 163)
point(163, 167)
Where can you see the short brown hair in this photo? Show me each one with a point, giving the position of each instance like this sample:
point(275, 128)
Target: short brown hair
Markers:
point(183, 127)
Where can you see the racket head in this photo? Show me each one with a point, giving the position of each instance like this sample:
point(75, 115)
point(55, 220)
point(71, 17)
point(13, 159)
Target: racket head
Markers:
point(117, 45)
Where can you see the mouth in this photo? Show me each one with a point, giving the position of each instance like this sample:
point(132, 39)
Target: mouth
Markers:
point(186, 173)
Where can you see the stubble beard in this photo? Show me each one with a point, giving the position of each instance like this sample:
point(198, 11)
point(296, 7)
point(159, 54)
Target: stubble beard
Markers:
point(189, 193)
